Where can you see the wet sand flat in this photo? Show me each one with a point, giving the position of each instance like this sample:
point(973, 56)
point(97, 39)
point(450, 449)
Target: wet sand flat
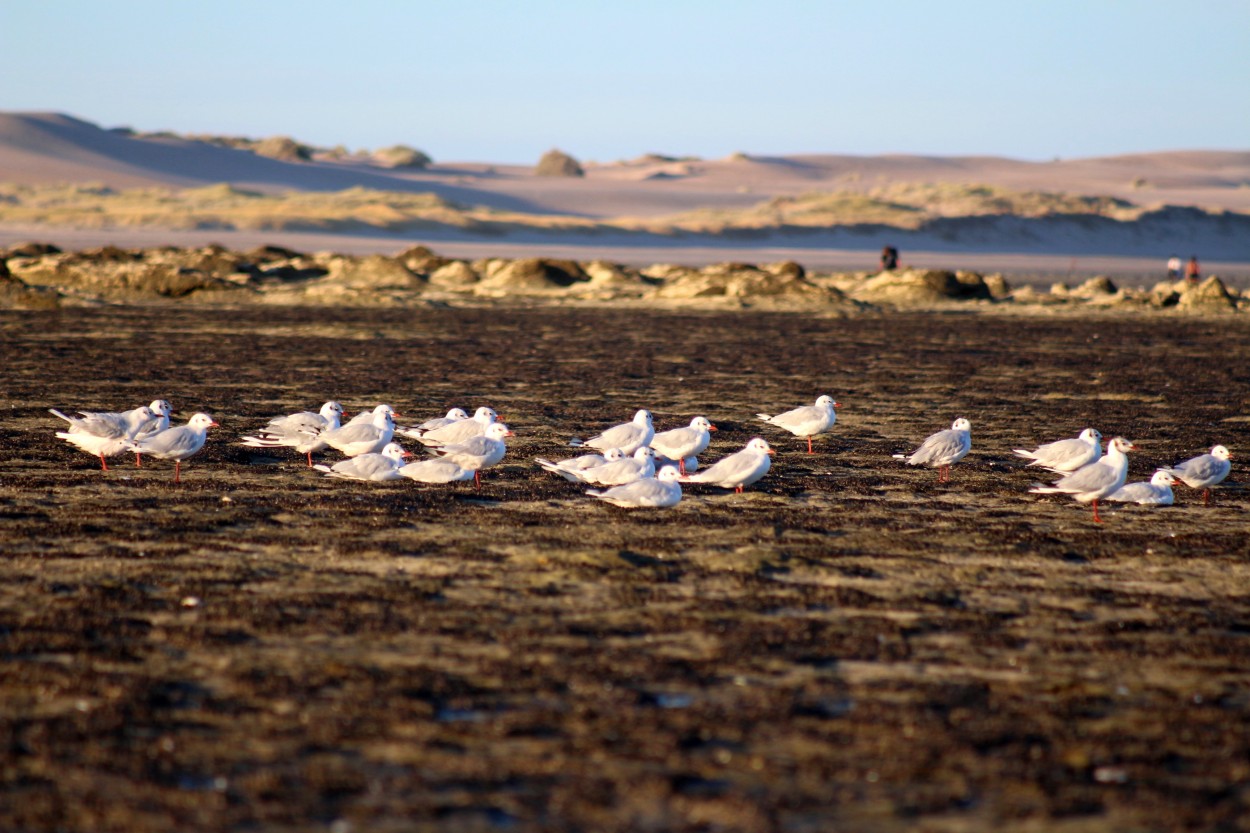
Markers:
point(848, 645)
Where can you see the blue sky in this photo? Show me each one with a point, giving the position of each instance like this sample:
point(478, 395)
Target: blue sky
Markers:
point(505, 81)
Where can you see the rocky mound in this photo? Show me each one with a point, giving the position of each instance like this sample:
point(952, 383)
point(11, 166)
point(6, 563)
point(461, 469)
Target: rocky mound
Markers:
point(1210, 295)
point(501, 278)
point(124, 274)
point(778, 285)
point(40, 275)
point(916, 287)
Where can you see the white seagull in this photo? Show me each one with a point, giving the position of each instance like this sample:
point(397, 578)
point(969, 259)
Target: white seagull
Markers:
point(689, 464)
point(477, 453)
point(435, 470)
point(942, 450)
point(453, 415)
point(620, 472)
point(458, 431)
point(379, 466)
point(657, 492)
point(302, 431)
point(688, 441)
point(104, 434)
point(568, 468)
point(162, 411)
point(370, 437)
point(176, 443)
point(1091, 483)
point(738, 470)
point(628, 437)
point(807, 420)
point(1063, 456)
point(1204, 471)
point(1158, 492)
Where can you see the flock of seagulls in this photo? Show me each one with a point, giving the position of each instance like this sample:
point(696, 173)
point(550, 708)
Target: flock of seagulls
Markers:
point(634, 466)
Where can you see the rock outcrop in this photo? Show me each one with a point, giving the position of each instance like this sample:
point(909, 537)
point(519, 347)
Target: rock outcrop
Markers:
point(529, 275)
point(915, 287)
point(744, 283)
point(1210, 295)
point(558, 163)
point(41, 275)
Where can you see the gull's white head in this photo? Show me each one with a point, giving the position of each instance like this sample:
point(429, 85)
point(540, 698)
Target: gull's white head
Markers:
point(642, 418)
point(668, 473)
point(395, 451)
point(1162, 478)
point(202, 421)
point(161, 407)
point(644, 453)
point(702, 424)
point(331, 409)
point(457, 413)
point(961, 424)
point(1120, 444)
point(826, 401)
point(613, 454)
point(486, 415)
point(1221, 453)
point(497, 431)
point(760, 446)
point(1091, 436)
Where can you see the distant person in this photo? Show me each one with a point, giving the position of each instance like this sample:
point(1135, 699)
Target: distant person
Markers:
point(1174, 268)
point(1192, 272)
point(889, 259)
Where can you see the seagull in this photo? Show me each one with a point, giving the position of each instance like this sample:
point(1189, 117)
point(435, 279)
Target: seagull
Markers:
point(690, 464)
point(366, 417)
point(657, 492)
point(1158, 492)
point(379, 466)
point(1064, 456)
point(679, 443)
point(628, 437)
point(104, 434)
point(1204, 471)
point(620, 472)
point(807, 420)
point(1090, 483)
point(361, 418)
point(302, 431)
point(568, 468)
point(738, 470)
point(943, 449)
point(458, 431)
point(435, 470)
point(363, 437)
point(454, 415)
point(176, 443)
point(477, 453)
point(161, 411)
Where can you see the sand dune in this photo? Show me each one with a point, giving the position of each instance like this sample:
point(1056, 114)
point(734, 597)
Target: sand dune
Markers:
point(47, 147)
point(43, 148)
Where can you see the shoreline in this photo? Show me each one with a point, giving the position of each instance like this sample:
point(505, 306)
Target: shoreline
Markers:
point(1024, 268)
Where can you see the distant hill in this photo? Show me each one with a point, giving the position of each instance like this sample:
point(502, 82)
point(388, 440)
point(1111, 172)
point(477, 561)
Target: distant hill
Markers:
point(47, 148)
point(1133, 204)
